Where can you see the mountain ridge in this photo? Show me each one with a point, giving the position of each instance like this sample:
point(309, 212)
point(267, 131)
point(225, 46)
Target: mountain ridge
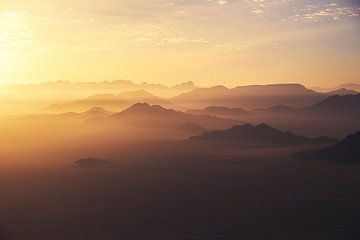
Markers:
point(261, 133)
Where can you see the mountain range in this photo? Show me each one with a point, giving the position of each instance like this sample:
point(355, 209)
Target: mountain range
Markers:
point(146, 115)
point(345, 106)
point(254, 96)
point(259, 134)
point(346, 150)
point(114, 102)
point(347, 86)
point(244, 97)
point(65, 90)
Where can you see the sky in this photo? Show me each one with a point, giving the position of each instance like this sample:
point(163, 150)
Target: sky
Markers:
point(210, 42)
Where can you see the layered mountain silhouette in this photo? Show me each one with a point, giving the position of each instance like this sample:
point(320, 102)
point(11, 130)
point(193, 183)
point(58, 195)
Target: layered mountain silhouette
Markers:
point(114, 102)
point(249, 97)
point(341, 91)
point(74, 90)
point(259, 134)
point(346, 86)
point(345, 105)
point(348, 105)
point(219, 111)
point(146, 115)
point(347, 150)
point(69, 117)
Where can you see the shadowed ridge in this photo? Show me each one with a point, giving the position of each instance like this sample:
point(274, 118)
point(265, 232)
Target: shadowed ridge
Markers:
point(347, 105)
point(350, 86)
point(96, 110)
point(338, 102)
point(145, 112)
point(341, 92)
point(218, 111)
point(280, 108)
point(146, 115)
point(261, 133)
point(185, 85)
point(346, 150)
point(145, 108)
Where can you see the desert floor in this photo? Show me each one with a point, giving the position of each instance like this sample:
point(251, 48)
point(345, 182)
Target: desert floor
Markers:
point(175, 190)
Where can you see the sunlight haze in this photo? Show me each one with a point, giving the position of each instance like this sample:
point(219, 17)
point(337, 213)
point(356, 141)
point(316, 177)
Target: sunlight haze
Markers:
point(232, 42)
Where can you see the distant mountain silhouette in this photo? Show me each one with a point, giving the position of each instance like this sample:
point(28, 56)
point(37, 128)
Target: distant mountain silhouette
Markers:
point(114, 102)
point(249, 97)
point(96, 112)
point(340, 105)
point(74, 90)
point(347, 88)
point(347, 150)
point(69, 117)
point(341, 91)
point(277, 109)
point(261, 134)
point(191, 128)
point(218, 111)
point(350, 86)
point(144, 114)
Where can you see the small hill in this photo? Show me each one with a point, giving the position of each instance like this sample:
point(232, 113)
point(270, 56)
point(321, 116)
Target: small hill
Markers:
point(262, 134)
point(347, 150)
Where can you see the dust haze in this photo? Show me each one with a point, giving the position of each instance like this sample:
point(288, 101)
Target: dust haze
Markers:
point(118, 160)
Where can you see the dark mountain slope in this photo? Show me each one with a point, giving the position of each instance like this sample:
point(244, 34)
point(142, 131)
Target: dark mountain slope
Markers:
point(146, 115)
point(262, 133)
point(347, 150)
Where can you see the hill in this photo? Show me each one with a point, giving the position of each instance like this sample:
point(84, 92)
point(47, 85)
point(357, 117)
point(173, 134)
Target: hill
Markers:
point(146, 115)
point(347, 150)
point(347, 105)
point(262, 134)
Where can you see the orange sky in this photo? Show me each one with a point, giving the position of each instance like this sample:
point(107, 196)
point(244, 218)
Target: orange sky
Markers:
point(234, 42)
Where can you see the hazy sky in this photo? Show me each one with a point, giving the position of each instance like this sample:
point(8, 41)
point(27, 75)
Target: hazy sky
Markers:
point(231, 42)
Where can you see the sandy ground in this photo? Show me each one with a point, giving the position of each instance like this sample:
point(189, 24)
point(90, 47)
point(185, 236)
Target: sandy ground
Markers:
point(175, 190)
